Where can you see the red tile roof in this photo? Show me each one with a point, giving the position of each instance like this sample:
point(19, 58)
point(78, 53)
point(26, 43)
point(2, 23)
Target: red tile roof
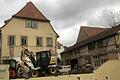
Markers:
point(29, 11)
point(91, 31)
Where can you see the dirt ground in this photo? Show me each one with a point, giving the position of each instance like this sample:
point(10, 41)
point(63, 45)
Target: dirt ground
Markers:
point(65, 77)
point(111, 69)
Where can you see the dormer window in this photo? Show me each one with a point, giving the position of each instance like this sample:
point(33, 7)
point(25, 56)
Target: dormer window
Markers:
point(31, 24)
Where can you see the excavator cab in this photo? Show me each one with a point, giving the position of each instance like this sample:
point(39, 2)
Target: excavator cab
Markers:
point(43, 60)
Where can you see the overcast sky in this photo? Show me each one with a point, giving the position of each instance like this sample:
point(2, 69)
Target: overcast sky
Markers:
point(66, 16)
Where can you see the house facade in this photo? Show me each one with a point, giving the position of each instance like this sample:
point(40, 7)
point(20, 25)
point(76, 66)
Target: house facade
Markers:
point(28, 28)
point(60, 49)
point(94, 50)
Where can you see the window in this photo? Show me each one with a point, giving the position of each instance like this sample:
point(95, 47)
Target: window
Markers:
point(11, 40)
point(39, 41)
point(91, 46)
point(28, 23)
point(31, 24)
point(34, 24)
point(97, 61)
point(105, 42)
point(43, 56)
point(100, 44)
point(49, 41)
point(24, 41)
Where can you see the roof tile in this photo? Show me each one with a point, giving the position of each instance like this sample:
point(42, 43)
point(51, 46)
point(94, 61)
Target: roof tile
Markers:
point(91, 31)
point(30, 11)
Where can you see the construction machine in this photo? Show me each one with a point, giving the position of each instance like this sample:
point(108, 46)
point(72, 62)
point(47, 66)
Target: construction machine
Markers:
point(12, 67)
point(43, 64)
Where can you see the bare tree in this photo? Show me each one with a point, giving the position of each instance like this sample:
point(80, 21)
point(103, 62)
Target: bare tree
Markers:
point(111, 17)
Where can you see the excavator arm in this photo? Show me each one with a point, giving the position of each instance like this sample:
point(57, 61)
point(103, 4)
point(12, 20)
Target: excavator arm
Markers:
point(29, 55)
point(22, 66)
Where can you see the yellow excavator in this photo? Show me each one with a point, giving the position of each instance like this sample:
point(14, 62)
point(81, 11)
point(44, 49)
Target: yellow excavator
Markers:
point(43, 63)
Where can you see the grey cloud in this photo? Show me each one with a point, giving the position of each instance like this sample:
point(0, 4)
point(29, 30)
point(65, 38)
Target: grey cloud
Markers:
point(10, 1)
point(69, 12)
point(64, 14)
point(70, 9)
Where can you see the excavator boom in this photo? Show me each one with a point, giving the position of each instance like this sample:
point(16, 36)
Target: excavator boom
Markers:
point(29, 55)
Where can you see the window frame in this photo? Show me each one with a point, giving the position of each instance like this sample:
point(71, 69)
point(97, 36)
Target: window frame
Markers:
point(9, 42)
point(91, 46)
point(100, 44)
point(41, 43)
point(26, 22)
point(31, 23)
point(26, 41)
point(48, 38)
